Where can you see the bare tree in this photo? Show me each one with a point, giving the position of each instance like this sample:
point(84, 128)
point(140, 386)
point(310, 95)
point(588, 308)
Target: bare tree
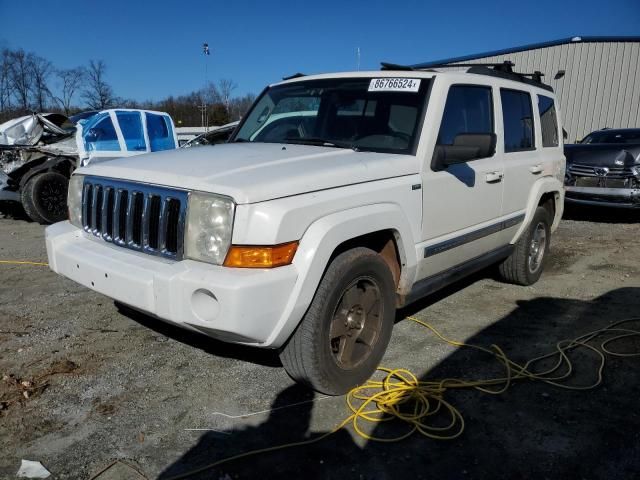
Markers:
point(98, 94)
point(210, 94)
point(20, 77)
point(40, 69)
point(6, 89)
point(71, 80)
point(240, 106)
point(226, 87)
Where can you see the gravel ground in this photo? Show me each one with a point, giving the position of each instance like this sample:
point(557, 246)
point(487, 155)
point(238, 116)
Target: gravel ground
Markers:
point(85, 384)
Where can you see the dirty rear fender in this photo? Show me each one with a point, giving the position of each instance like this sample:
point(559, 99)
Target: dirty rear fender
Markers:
point(541, 187)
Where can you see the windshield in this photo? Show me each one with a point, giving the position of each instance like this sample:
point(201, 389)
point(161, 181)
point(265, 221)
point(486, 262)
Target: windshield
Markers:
point(613, 136)
point(380, 115)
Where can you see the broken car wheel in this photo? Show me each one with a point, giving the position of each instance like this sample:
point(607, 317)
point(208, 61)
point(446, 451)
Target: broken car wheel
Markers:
point(44, 197)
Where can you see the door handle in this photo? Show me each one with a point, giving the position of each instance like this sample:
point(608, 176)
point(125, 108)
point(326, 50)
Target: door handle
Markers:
point(536, 169)
point(493, 177)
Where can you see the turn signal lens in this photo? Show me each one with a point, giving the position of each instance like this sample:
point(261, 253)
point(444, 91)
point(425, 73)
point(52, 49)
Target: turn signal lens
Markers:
point(260, 257)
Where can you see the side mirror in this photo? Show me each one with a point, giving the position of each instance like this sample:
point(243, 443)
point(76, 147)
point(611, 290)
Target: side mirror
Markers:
point(466, 147)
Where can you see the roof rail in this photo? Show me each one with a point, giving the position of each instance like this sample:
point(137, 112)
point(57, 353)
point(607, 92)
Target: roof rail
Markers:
point(295, 75)
point(502, 69)
point(506, 66)
point(395, 66)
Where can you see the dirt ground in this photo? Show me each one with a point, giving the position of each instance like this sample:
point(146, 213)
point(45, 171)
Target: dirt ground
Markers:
point(84, 384)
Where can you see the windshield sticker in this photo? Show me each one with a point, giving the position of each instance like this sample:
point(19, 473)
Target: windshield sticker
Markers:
point(394, 85)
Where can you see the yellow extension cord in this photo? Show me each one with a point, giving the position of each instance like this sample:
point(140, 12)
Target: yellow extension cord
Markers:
point(24, 262)
point(400, 396)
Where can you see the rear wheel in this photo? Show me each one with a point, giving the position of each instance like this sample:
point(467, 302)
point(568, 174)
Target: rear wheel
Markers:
point(344, 334)
point(524, 265)
point(44, 197)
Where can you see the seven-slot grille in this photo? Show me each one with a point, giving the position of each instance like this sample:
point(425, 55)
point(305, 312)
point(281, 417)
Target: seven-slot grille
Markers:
point(142, 217)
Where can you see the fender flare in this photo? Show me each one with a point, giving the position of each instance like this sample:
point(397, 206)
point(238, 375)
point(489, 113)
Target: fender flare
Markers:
point(541, 187)
point(319, 242)
point(46, 166)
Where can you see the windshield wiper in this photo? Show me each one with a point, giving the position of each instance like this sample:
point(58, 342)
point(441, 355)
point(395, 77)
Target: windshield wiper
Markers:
point(320, 142)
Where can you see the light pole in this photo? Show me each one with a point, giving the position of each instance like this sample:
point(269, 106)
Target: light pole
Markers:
point(203, 107)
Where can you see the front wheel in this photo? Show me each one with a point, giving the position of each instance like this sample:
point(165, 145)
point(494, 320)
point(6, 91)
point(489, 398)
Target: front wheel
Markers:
point(344, 334)
point(524, 265)
point(44, 197)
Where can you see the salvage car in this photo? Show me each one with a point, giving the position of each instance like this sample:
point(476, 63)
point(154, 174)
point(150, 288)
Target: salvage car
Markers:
point(306, 236)
point(39, 152)
point(212, 137)
point(604, 169)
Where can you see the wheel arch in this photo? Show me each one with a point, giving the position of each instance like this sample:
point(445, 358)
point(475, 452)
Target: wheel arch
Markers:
point(382, 227)
point(62, 165)
point(547, 192)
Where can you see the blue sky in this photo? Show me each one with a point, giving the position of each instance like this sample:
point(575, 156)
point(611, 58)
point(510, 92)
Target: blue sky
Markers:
point(153, 49)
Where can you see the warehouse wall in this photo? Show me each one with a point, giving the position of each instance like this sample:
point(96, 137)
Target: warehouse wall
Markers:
point(600, 89)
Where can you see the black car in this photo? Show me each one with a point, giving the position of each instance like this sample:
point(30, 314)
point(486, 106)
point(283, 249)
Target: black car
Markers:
point(604, 169)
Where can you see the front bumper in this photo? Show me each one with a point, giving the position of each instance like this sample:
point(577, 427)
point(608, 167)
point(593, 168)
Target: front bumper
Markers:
point(235, 305)
point(608, 197)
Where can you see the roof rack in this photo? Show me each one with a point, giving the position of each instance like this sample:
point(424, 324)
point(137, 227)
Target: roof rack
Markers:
point(395, 66)
point(295, 75)
point(506, 66)
point(502, 69)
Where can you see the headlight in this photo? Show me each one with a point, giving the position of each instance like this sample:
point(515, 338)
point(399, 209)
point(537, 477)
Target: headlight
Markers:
point(74, 200)
point(209, 227)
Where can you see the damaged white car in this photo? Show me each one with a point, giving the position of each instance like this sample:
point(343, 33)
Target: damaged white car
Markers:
point(39, 152)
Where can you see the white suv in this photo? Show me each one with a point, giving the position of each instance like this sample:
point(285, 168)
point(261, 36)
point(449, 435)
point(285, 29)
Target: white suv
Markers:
point(368, 191)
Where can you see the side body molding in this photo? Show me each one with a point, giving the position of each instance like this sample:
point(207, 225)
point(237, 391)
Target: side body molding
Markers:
point(321, 239)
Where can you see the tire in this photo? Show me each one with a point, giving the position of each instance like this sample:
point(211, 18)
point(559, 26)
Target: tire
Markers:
point(345, 332)
point(44, 197)
point(525, 264)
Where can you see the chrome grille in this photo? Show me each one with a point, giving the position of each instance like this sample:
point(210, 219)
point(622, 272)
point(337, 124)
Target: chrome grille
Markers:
point(142, 217)
point(620, 172)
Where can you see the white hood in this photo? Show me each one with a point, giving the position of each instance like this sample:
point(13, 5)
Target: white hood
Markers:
point(255, 172)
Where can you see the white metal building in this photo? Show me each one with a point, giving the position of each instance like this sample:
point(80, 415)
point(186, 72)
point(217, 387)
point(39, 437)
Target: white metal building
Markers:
point(601, 86)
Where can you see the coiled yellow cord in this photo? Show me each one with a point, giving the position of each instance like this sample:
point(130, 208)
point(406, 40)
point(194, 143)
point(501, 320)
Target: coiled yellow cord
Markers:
point(400, 396)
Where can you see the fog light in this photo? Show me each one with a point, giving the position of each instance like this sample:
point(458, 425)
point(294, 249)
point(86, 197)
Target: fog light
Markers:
point(205, 305)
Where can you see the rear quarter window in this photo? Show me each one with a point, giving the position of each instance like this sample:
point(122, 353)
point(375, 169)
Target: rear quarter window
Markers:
point(548, 121)
point(160, 132)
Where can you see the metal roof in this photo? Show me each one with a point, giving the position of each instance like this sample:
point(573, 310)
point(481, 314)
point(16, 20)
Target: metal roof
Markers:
point(532, 46)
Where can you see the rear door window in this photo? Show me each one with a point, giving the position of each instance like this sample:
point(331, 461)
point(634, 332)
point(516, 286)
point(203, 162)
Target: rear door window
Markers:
point(517, 115)
point(160, 132)
point(131, 127)
point(548, 121)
